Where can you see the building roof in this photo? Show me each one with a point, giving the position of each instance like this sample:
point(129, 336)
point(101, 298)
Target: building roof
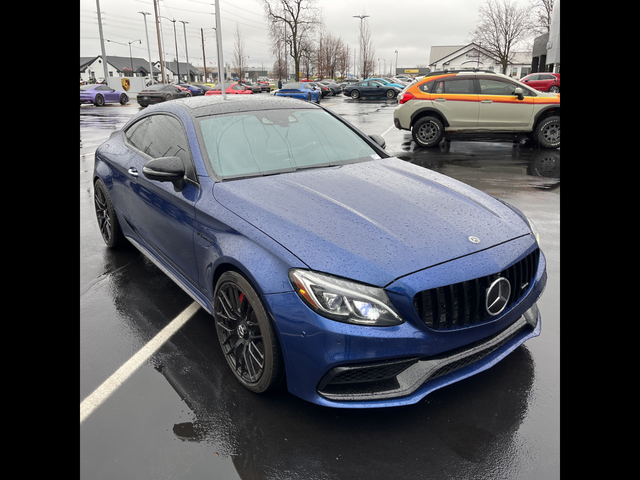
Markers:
point(122, 64)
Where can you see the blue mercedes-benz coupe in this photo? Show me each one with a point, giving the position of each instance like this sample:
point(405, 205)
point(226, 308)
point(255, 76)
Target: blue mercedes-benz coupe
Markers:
point(357, 278)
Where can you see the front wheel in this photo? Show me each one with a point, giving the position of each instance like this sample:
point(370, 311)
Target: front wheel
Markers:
point(123, 99)
point(247, 337)
point(547, 133)
point(427, 132)
point(355, 94)
point(391, 94)
point(554, 89)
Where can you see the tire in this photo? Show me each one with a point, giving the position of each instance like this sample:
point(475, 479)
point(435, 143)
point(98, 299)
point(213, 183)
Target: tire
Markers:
point(168, 97)
point(427, 132)
point(309, 97)
point(554, 89)
point(106, 216)
point(99, 101)
point(123, 99)
point(319, 98)
point(247, 337)
point(390, 94)
point(547, 133)
point(355, 94)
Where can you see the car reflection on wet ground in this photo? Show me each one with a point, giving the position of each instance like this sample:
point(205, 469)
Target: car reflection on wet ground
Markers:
point(183, 414)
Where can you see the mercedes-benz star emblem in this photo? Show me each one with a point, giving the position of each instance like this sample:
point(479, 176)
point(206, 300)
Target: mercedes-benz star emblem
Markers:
point(473, 239)
point(498, 296)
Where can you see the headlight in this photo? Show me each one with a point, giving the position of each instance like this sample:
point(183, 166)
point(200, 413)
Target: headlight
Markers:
point(344, 300)
point(534, 230)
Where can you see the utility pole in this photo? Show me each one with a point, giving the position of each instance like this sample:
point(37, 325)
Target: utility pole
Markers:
point(104, 55)
point(155, 9)
point(184, 24)
point(144, 14)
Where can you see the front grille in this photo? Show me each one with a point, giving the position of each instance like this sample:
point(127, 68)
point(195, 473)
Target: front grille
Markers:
point(462, 304)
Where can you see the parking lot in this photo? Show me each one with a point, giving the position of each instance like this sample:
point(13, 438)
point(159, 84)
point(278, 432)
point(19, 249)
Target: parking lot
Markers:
point(182, 413)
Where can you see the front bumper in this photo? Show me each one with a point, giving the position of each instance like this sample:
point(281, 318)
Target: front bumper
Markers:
point(349, 366)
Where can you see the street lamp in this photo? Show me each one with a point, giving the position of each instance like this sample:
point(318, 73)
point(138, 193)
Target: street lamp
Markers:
point(130, 56)
point(144, 14)
point(361, 17)
point(184, 24)
point(396, 72)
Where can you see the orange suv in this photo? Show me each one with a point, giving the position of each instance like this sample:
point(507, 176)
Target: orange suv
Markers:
point(476, 101)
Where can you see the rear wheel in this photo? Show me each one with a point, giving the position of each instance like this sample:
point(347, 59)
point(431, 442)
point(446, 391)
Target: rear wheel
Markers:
point(247, 337)
point(99, 101)
point(106, 215)
point(427, 131)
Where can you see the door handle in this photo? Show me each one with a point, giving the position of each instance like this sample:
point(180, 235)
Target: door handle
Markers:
point(133, 172)
point(486, 101)
point(441, 99)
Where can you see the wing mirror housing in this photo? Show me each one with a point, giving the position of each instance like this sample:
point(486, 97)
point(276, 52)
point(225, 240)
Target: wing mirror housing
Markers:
point(378, 139)
point(166, 169)
point(518, 91)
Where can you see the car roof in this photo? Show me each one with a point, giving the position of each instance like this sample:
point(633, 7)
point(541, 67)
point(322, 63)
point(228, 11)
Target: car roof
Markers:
point(216, 105)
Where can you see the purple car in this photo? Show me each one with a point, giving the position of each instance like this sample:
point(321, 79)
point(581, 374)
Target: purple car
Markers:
point(101, 94)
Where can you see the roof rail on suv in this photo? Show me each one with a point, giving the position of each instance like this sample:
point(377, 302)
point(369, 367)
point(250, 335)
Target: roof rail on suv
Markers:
point(442, 72)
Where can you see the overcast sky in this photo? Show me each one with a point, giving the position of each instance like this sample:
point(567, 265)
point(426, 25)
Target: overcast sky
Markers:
point(411, 27)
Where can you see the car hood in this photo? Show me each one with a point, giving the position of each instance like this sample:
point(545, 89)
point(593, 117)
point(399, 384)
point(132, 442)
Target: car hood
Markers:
point(373, 221)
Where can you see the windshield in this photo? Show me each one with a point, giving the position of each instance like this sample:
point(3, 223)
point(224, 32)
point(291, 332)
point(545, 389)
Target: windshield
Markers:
point(277, 141)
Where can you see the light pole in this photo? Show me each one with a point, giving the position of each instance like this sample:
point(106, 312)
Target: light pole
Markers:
point(130, 55)
point(184, 24)
point(144, 14)
point(396, 72)
point(361, 17)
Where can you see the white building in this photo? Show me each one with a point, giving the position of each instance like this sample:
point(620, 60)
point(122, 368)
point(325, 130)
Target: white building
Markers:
point(471, 56)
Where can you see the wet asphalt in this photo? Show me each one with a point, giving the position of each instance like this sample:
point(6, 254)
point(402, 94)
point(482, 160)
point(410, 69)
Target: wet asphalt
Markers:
point(183, 415)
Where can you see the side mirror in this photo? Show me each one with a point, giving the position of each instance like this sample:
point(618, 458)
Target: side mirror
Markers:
point(165, 169)
point(378, 139)
point(518, 91)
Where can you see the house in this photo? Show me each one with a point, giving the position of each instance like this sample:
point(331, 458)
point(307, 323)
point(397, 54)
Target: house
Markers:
point(468, 57)
point(91, 68)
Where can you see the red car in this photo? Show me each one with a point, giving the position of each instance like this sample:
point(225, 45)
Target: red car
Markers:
point(233, 88)
point(543, 82)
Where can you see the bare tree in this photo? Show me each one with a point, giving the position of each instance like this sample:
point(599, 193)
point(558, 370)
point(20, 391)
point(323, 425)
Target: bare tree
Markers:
point(238, 54)
point(502, 27)
point(368, 53)
point(293, 20)
point(541, 11)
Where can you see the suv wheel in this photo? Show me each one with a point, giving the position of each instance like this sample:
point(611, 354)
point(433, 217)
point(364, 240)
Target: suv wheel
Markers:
point(427, 131)
point(547, 132)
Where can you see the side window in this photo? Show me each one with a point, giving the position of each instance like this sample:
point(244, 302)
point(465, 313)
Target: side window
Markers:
point(453, 86)
point(161, 136)
point(497, 87)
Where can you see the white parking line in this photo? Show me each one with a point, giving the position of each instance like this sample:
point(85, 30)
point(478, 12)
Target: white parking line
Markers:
point(387, 131)
point(103, 392)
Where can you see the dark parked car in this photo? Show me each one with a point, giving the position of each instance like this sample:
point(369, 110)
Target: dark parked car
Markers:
point(371, 88)
point(159, 93)
point(333, 87)
point(364, 280)
point(98, 95)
